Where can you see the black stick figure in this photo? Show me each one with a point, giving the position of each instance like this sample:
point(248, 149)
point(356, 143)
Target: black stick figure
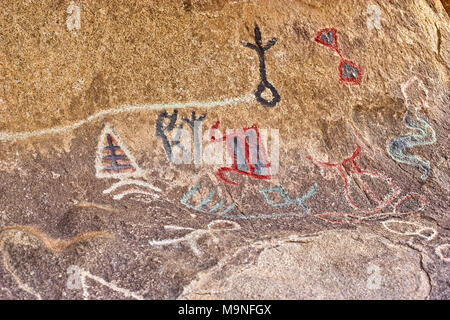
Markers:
point(260, 49)
point(161, 130)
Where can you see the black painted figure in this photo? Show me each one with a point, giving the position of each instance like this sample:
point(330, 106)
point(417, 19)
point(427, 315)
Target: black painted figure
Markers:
point(162, 130)
point(113, 157)
point(264, 84)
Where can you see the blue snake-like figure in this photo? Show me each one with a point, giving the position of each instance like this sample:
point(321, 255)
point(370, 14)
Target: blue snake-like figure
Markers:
point(424, 135)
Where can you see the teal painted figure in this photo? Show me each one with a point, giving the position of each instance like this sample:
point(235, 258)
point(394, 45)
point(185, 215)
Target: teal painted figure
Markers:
point(206, 200)
point(424, 134)
point(203, 204)
point(286, 199)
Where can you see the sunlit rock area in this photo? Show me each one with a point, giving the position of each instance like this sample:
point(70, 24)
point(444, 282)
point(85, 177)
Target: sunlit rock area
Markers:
point(215, 149)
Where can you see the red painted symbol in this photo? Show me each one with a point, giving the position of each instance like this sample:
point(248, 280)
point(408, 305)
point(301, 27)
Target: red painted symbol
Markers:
point(361, 178)
point(370, 185)
point(349, 72)
point(113, 158)
point(248, 154)
point(353, 218)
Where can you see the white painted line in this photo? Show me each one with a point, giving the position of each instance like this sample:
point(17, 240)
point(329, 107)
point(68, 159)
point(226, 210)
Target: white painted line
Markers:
point(130, 182)
point(7, 136)
point(133, 191)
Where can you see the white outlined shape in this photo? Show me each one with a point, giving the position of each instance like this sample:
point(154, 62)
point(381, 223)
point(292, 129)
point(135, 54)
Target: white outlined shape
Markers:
point(100, 168)
point(77, 280)
point(195, 234)
point(127, 182)
point(419, 227)
point(407, 84)
point(108, 135)
point(438, 251)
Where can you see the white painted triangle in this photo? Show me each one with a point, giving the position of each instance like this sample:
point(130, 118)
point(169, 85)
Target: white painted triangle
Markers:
point(113, 159)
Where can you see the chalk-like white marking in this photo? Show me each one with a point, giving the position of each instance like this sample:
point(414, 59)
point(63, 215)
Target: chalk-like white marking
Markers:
point(409, 83)
point(74, 20)
point(7, 136)
point(192, 238)
point(123, 176)
point(142, 198)
point(439, 250)
point(80, 276)
point(125, 292)
point(74, 281)
point(100, 172)
point(126, 182)
point(133, 191)
point(173, 227)
point(9, 267)
point(418, 232)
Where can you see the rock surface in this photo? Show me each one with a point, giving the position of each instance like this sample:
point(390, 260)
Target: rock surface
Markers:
point(346, 101)
point(316, 267)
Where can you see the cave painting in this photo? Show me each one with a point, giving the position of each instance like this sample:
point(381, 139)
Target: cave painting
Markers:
point(264, 84)
point(204, 204)
point(77, 281)
point(114, 161)
point(401, 227)
point(247, 152)
point(424, 133)
point(360, 184)
point(126, 109)
point(300, 201)
point(200, 207)
point(213, 228)
point(349, 72)
point(355, 173)
point(162, 130)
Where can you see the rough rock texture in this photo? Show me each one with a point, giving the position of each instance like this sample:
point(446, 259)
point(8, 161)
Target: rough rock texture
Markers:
point(93, 204)
point(318, 267)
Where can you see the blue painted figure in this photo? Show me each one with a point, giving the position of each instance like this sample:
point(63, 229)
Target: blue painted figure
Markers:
point(424, 135)
point(286, 199)
point(200, 207)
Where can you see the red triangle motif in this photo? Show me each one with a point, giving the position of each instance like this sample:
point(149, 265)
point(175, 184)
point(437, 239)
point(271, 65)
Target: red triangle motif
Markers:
point(113, 158)
point(328, 37)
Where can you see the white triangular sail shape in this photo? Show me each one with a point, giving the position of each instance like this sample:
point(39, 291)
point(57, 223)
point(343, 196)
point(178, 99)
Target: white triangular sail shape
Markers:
point(113, 159)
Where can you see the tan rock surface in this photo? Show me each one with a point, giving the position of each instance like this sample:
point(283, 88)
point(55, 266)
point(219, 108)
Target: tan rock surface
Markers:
point(324, 266)
point(88, 190)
